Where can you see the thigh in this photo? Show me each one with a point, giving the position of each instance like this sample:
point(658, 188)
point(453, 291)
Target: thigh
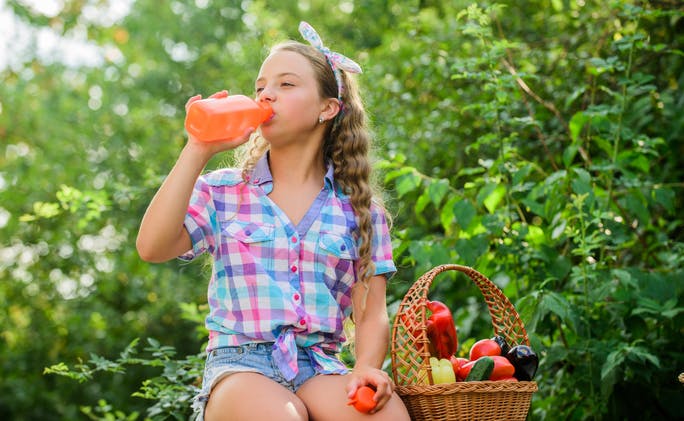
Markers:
point(254, 397)
point(325, 397)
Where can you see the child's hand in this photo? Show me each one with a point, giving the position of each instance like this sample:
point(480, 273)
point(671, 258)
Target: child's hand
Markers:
point(217, 146)
point(376, 379)
point(219, 94)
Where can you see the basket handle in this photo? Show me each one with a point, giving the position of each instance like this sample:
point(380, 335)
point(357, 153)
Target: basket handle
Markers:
point(409, 344)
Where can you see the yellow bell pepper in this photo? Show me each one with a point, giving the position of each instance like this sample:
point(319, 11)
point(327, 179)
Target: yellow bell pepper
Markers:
point(442, 370)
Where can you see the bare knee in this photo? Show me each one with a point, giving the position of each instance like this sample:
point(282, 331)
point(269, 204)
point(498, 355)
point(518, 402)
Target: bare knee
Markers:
point(251, 396)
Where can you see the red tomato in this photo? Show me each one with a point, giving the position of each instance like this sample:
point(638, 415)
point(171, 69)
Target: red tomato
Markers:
point(363, 399)
point(502, 368)
point(484, 347)
point(457, 363)
point(464, 370)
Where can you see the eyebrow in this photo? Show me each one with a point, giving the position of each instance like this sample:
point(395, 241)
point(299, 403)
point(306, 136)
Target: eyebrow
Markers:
point(281, 75)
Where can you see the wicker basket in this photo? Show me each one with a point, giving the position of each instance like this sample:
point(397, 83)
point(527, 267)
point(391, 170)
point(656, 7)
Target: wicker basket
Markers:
point(484, 400)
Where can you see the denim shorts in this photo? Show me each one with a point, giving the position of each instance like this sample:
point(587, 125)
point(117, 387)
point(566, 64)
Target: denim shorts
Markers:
point(253, 357)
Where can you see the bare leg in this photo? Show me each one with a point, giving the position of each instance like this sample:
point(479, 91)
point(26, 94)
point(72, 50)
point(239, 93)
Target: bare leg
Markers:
point(253, 397)
point(325, 397)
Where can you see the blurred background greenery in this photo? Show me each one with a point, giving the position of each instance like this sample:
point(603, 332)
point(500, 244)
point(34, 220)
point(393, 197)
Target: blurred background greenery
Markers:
point(539, 141)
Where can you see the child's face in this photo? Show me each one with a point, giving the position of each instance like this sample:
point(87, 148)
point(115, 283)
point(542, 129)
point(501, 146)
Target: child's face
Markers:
point(287, 81)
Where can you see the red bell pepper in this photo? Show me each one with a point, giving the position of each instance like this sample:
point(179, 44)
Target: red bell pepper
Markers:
point(441, 330)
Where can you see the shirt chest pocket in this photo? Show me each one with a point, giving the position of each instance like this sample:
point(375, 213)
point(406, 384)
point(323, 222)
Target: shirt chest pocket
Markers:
point(335, 258)
point(248, 232)
point(338, 245)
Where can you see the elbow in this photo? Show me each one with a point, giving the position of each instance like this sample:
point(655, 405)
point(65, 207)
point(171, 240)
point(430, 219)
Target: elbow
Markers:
point(146, 251)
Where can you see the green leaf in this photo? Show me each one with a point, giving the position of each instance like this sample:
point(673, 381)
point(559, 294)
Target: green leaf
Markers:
point(422, 203)
point(391, 175)
point(576, 124)
point(642, 354)
point(581, 184)
point(437, 190)
point(557, 304)
point(559, 229)
point(447, 214)
point(569, 153)
point(471, 249)
point(625, 278)
point(635, 202)
point(407, 183)
point(665, 197)
point(535, 235)
point(491, 195)
point(464, 212)
point(609, 371)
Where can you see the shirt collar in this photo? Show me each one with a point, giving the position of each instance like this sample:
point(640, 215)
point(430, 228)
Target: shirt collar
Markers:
point(261, 175)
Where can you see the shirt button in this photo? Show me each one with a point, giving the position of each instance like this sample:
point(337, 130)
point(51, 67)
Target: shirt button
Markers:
point(294, 239)
point(302, 322)
point(296, 297)
point(293, 268)
point(343, 247)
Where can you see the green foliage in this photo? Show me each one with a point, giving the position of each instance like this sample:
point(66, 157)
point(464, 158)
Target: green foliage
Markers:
point(538, 142)
point(172, 391)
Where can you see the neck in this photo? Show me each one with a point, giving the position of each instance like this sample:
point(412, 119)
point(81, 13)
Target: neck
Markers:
point(296, 165)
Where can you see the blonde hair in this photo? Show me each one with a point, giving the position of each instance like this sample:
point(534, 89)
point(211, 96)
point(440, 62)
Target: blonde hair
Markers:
point(347, 145)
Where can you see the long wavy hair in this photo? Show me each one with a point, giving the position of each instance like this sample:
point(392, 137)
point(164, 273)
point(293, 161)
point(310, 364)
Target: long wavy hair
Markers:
point(347, 145)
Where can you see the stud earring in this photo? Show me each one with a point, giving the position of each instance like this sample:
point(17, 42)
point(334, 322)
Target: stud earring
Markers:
point(320, 120)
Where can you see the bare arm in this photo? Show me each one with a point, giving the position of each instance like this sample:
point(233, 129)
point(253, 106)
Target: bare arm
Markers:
point(162, 235)
point(371, 340)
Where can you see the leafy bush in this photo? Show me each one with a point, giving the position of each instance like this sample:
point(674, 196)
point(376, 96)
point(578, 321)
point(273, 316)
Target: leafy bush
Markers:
point(539, 142)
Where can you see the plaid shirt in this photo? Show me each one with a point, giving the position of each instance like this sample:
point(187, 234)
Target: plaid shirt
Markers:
point(273, 281)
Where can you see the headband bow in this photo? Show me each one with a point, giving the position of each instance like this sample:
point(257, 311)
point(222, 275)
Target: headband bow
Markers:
point(337, 61)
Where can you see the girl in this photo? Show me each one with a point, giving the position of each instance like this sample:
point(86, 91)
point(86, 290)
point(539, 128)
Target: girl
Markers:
point(298, 245)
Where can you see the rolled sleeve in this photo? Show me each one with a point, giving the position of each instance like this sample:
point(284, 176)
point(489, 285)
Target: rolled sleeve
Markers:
point(198, 221)
point(382, 244)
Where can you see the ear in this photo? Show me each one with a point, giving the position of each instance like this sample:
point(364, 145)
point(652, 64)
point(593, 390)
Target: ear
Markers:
point(330, 108)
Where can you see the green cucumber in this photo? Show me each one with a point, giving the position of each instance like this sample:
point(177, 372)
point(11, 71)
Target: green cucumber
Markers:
point(481, 370)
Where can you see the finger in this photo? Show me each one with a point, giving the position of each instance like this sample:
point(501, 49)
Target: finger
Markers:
point(353, 386)
point(246, 135)
point(220, 94)
point(234, 143)
point(382, 392)
point(381, 399)
point(191, 100)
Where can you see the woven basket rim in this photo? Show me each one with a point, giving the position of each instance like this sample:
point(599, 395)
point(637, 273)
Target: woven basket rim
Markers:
point(488, 386)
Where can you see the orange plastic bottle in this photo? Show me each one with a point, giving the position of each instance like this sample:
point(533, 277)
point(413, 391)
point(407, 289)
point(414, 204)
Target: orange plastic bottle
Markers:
point(214, 119)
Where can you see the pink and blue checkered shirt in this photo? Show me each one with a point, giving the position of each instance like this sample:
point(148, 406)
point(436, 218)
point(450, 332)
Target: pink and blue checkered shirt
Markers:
point(273, 281)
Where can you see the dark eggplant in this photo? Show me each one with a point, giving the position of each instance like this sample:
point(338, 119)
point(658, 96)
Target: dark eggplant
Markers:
point(525, 362)
point(502, 344)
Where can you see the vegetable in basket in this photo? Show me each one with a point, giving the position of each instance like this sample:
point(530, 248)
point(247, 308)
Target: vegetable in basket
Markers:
point(502, 343)
point(457, 362)
point(480, 370)
point(524, 360)
point(484, 347)
point(490, 349)
point(442, 371)
point(441, 330)
point(503, 369)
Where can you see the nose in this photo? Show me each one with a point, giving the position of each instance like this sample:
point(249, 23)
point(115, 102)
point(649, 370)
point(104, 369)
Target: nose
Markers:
point(267, 94)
